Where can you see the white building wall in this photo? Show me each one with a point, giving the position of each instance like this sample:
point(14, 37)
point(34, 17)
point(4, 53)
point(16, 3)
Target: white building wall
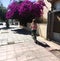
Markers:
point(45, 11)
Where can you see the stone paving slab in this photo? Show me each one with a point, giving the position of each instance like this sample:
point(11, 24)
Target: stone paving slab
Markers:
point(53, 46)
point(10, 37)
point(27, 50)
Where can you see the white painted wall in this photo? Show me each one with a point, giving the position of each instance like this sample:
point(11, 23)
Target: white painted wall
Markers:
point(45, 11)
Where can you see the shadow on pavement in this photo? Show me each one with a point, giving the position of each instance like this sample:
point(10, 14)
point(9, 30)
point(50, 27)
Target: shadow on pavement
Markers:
point(42, 44)
point(5, 28)
point(22, 31)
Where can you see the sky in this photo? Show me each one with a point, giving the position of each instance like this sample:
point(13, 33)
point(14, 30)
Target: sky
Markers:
point(7, 2)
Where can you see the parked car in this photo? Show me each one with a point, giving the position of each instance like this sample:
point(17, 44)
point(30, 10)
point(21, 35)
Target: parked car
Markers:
point(1, 23)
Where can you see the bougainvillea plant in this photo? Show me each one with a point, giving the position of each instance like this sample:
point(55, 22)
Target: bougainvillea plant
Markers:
point(25, 10)
point(11, 10)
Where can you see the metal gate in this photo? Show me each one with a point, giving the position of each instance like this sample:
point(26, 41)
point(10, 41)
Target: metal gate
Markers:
point(53, 24)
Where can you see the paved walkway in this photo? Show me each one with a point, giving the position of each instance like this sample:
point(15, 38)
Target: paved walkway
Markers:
point(20, 47)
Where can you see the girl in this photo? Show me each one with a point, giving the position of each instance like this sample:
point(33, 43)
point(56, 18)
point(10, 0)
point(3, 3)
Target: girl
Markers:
point(33, 29)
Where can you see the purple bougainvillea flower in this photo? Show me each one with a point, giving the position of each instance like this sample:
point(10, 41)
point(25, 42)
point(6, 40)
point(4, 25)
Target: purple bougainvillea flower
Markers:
point(9, 14)
point(25, 9)
point(12, 8)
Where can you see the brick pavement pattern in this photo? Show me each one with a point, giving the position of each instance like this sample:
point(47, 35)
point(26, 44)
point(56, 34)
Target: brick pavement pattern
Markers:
point(22, 48)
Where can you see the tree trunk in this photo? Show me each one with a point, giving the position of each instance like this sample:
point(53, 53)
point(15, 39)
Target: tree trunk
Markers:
point(7, 24)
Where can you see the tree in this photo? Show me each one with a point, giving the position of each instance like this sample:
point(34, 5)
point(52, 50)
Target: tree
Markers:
point(25, 11)
point(3, 15)
point(2, 12)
